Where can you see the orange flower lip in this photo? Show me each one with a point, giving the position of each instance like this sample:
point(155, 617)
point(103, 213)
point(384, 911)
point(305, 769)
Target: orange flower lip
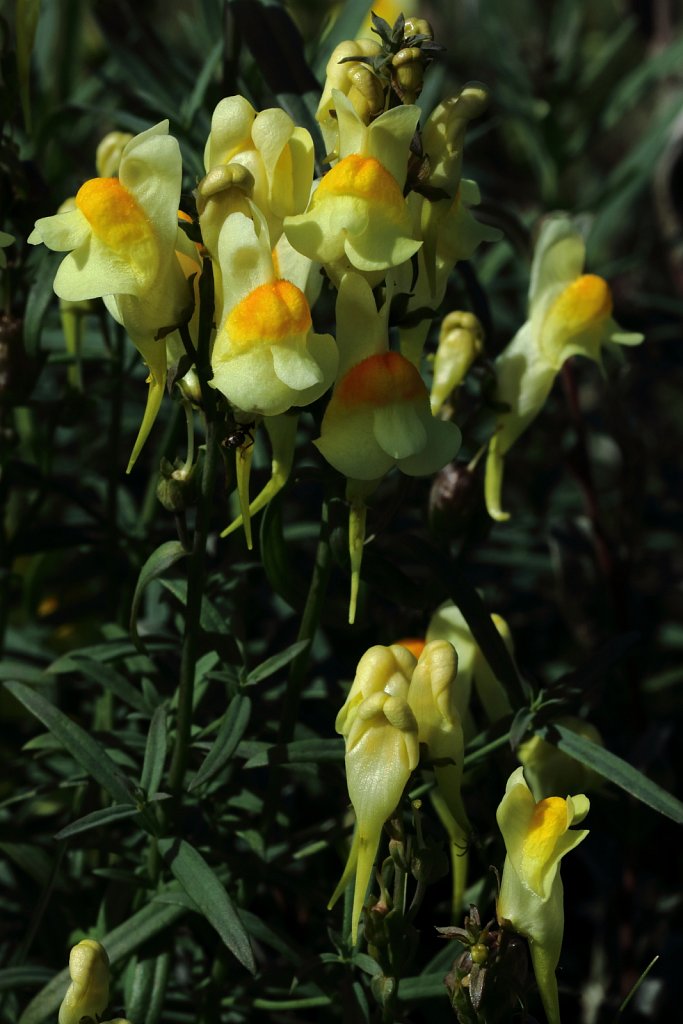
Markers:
point(363, 177)
point(271, 312)
point(584, 302)
point(381, 380)
point(114, 215)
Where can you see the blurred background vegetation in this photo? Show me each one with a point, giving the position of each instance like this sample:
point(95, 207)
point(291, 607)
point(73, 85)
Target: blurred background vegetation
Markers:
point(586, 116)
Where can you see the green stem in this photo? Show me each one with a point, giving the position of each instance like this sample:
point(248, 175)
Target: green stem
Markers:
point(309, 623)
point(195, 589)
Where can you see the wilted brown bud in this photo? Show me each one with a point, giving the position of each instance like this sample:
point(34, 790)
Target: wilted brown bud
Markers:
point(453, 500)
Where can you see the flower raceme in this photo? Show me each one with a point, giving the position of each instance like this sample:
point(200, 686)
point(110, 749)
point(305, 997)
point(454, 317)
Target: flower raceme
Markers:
point(121, 238)
point(537, 836)
point(570, 313)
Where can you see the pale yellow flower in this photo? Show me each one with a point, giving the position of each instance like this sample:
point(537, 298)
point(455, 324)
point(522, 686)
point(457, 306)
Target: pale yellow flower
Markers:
point(537, 836)
point(88, 993)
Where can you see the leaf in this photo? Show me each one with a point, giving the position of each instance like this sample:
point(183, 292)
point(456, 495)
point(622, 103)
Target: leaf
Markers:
point(271, 665)
point(155, 753)
point(309, 751)
point(276, 556)
point(425, 986)
point(92, 757)
point(101, 817)
point(157, 564)
point(23, 977)
point(40, 297)
point(102, 675)
point(119, 943)
point(230, 732)
point(615, 770)
point(201, 884)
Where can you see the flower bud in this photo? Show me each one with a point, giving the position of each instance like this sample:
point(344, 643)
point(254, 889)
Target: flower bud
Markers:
point(408, 73)
point(417, 27)
point(460, 343)
point(88, 993)
point(177, 486)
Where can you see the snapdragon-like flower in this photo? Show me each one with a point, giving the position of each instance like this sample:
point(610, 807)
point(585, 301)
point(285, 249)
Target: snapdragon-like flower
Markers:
point(266, 357)
point(537, 836)
point(570, 313)
point(358, 215)
point(354, 79)
point(382, 751)
point(277, 154)
point(379, 414)
point(88, 993)
point(461, 341)
point(551, 771)
point(121, 238)
point(448, 623)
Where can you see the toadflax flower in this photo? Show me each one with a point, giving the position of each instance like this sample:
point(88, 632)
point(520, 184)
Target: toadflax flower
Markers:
point(266, 357)
point(379, 414)
point(382, 751)
point(570, 313)
point(358, 215)
point(537, 836)
point(121, 238)
point(276, 153)
point(88, 993)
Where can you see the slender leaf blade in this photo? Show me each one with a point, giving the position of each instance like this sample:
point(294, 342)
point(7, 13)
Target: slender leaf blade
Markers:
point(97, 818)
point(155, 753)
point(202, 885)
point(92, 757)
point(230, 732)
point(159, 562)
point(615, 770)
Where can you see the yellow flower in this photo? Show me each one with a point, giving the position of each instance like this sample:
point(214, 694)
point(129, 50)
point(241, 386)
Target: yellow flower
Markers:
point(537, 836)
point(379, 414)
point(570, 313)
point(550, 771)
point(460, 343)
point(349, 77)
point(121, 238)
point(266, 357)
point(382, 751)
point(448, 623)
point(277, 154)
point(88, 993)
point(358, 215)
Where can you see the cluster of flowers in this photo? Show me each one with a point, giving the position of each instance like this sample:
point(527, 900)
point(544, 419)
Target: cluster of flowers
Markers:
point(413, 699)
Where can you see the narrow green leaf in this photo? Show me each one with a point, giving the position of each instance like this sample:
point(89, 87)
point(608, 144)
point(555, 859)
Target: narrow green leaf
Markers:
point(155, 753)
point(425, 986)
point(20, 672)
point(159, 562)
point(615, 770)
point(119, 943)
point(40, 296)
point(83, 748)
point(272, 665)
point(102, 675)
point(230, 732)
point(299, 752)
point(96, 818)
point(201, 884)
point(23, 977)
point(276, 556)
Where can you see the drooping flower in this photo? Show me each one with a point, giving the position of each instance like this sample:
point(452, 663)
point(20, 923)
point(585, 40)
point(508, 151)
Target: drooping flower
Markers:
point(358, 215)
point(382, 751)
point(121, 238)
point(537, 836)
point(88, 993)
point(266, 357)
point(570, 313)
